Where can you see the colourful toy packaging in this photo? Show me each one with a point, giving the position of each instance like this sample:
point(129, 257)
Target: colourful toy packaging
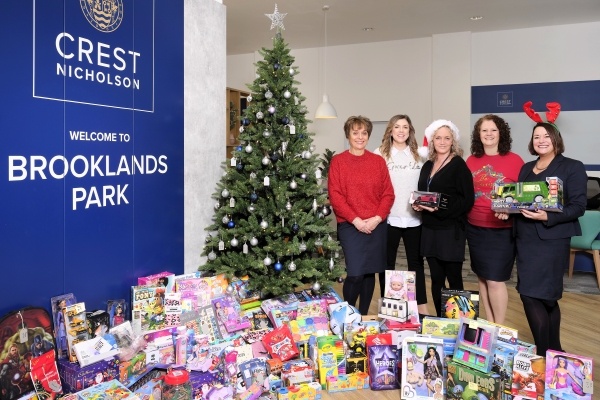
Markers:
point(76, 327)
point(394, 309)
point(529, 371)
point(151, 390)
point(467, 383)
point(475, 344)
point(195, 293)
point(99, 322)
point(255, 372)
point(58, 303)
point(280, 343)
point(228, 313)
point(343, 316)
point(356, 364)
point(457, 304)
point(96, 349)
point(331, 297)
point(524, 347)
point(165, 279)
point(261, 320)
point(147, 308)
point(422, 368)
point(330, 358)
point(504, 356)
point(202, 382)
point(300, 392)
point(399, 285)
point(505, 334)
point(295, 372)
point(44, 375)
point(132, 368)
point(173, 309)
point(111, 390)
point(440, 327)
point(516, 196)
point(568, 376)
point(75, 378)
point(429, 199)
point(117, 310)
point(383, 367)
point(242, 293)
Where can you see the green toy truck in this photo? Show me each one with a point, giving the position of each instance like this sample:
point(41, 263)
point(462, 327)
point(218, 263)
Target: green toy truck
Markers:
point(514, 197)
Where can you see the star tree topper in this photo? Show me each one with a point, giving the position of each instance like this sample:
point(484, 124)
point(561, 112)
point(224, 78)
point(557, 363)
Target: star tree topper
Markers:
point(276, 19)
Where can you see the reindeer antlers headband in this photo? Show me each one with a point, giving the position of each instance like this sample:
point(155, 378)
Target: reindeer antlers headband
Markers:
point(551, 114)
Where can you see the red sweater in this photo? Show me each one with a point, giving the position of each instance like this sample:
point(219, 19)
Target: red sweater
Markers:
point(359, 186)
point(486, 171)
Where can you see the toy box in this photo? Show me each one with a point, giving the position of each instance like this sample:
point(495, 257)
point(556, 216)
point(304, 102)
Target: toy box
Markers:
point(440, 327)
point(165, 279)
point(242, 293)
point(429, 199)
point(254, 372)
point(58, 303)
point(75, 378)
point(524, 347)
point(475, 344)
point(330, 358)
point(330, 296)
point(76, 327)
point(228, 313)
point(295, 372)
point(460, 303)
point(202, 382)
point(467, 383)
point(394, 309)
point(513, 197)
point(529, 371)
point(110, 390)
point(340, 383)
point(504, 355)
point(300, 392)
point(99, 322)
point(147, 308)
point(117, 311)
point(568, 376)
point(422, 368)
point(399, 303)
point(96, 349)
point(151, 390)
point(134, 367)
point(383, 367)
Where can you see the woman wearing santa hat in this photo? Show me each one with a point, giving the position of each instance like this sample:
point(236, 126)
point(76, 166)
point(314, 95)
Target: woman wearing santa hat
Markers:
point(443, 234)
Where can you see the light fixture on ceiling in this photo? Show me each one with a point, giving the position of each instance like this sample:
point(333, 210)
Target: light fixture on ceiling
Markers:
point(367, 29)
point(326, 109)
point(476, 18)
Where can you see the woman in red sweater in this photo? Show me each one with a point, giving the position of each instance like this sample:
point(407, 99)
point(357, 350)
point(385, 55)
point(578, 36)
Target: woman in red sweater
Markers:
point(361, 195)
point(491, 163)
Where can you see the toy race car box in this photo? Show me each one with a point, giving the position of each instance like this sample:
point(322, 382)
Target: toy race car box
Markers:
point(467, 383)
point(529, 371)
point(516, 196)
point(430, 199)
point(568, 376)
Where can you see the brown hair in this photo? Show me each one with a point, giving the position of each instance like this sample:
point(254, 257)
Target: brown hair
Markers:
point(455, 150)
point(555, 138)
point(505, 143)
point(387, 141)
point(360, 121)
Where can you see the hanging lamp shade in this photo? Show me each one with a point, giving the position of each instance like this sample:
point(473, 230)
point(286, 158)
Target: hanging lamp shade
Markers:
point(326, 109)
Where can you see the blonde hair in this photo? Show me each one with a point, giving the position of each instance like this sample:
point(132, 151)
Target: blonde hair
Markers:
point(388, 140)
point(455, 150)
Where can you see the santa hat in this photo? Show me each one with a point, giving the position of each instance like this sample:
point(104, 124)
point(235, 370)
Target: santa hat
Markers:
point(430, 130)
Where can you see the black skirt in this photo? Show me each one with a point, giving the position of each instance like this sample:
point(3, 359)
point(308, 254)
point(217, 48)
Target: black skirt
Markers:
point(492, 252)
point(446, 244)
point(364, 254)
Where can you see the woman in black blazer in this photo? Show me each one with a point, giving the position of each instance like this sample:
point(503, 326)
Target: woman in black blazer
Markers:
point(543, 238)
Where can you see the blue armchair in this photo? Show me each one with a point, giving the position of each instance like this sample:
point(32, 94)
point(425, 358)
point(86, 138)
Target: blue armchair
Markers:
point(590, 227)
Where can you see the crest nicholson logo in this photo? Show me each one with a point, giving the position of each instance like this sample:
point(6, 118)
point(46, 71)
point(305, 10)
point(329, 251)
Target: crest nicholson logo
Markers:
point(104, 15)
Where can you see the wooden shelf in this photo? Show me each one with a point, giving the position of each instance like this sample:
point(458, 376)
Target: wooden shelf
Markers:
point(232, 130)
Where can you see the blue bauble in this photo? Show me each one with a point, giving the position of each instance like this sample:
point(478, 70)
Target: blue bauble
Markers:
point(278, 266)
point(253, 197)
point(239, 148)
point(301, 136)
point(274, 157)
point(245, 122)
point(276, 66)
point(285, 120)
point(239, 167)
point(295, 227)
point(231, 224)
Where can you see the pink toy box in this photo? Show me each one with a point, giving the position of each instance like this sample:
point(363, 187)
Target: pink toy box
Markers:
point(568, 376)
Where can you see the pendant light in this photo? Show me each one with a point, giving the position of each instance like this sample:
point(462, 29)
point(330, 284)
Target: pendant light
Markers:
point(326, 109)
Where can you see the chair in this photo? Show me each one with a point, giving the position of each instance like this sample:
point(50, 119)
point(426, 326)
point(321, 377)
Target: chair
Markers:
point(590, 227)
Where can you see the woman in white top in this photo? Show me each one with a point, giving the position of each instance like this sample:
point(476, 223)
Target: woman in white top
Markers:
point(399, 149)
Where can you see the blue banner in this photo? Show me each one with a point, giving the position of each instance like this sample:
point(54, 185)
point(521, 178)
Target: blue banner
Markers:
point(92, 147)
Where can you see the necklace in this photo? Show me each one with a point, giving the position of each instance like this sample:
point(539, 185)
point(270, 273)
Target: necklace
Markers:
point(540, 169)
point(436, 171)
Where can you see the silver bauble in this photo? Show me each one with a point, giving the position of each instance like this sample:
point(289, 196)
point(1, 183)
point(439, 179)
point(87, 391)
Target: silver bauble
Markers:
point(252, 175)
point(207, 239)
point(266, 133)
point(291, 71)
point(303, 109)
point(306, 154)
point(248, 149)
point(331, 264)
point(260, 115)
point(253, 241)
point(292, 266)
point(325, 210)
point(312, 147)
point(318, 242)
point(212, 256)
point(316, 286)
point(336, 254)
point(266, 160)
point(225, 219)
point(287, 94)
point(288, 206)
point(217, 205)
point(303, 175)
point(251, 208)
point(267, 261)
point(249, 98)
point(268, 94)
point(225, 193)
point(264, 224)
point(321, 216)
point(293, 185)
point(241, 129)
point(229, 289)
point(302, 246)
point(234, 242)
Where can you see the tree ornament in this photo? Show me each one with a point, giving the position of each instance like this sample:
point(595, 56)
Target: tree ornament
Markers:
point(285, 120)
point(274, 157)
point(251, 208)
point(212, 256)
point(229, 289)
point(321, 216)
point(276, 66)
point(217, 205)
point(336, 254)
point(260, 115)
point(241, 129)
point(312, 148)
point(248, 149)
point(239, 167)
point(268, 94)
point(340, 280)
point(293, 184)
point(245, 121)
point(225, 193)
point(303, 109)
point(287, 94)
point(302, 246)
point(315, 205)
point(208, 238)
point(225, 219)
point(331, 264)
point(288, 206)
point(266, 161)
point(266, 133)
point(271, 110)
point(239, 148)
point(291, 71)
point(264, 224)
point(253, 197)
point(326, 210)
point(303, 176)
point(292, 266)
point(231, 224)
point(249, 98)
point(278, 266)
point(252, 175)
point(267, 261)
point(306, 154)
point(316, 286)
point(234, 242)
point(318, 242)
point(295, 227)
point(253, 241)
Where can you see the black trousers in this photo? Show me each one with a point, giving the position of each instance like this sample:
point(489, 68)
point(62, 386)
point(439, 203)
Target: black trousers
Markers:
point(440, 271)
point(543, 317)
point(412, 245)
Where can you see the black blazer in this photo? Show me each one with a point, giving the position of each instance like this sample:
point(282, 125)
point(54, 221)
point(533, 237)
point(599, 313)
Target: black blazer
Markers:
point(574, 178)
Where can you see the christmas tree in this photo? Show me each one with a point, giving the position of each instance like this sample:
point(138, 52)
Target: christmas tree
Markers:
point(272, 218)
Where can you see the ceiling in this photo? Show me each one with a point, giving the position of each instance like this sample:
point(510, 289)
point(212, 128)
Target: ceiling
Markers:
point(248, 27)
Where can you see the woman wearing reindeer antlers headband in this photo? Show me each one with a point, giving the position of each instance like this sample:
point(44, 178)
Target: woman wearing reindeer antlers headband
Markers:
point(543, 238)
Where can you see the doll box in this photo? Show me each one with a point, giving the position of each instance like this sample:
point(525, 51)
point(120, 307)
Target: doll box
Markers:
point(568, 376)
point(110, 390)
point(75, 378)
point(513, 197)
point(467, 383)
point(422, 368)
point(528, 375)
